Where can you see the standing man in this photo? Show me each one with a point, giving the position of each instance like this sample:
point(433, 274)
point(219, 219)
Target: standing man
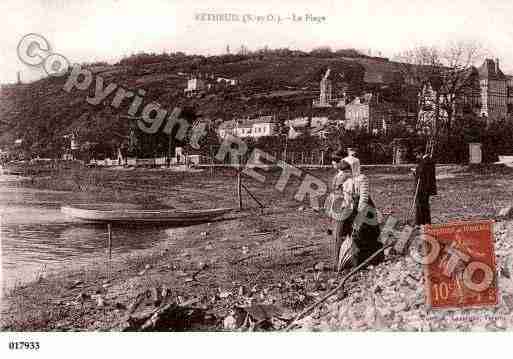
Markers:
point(425, 187)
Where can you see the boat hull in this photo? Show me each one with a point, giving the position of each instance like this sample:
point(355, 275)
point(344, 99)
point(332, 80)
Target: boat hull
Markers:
point(134, 215)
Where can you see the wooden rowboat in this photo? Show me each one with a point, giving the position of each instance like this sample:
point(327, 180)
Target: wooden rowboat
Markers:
point(506, 160)
point(132, 213)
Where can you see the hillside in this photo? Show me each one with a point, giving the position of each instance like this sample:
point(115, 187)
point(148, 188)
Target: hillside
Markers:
point(41, 112)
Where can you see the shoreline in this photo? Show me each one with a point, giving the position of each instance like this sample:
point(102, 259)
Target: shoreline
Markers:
point(278, 258)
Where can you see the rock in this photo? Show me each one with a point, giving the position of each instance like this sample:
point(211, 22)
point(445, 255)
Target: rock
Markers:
point(165, 292)
point(230, 323)
point(501, 324)
point(100, 301)
point(301, 209)
point(147, 267)
point(225, 294)
point(505, 272)
point(400, 307)
point(506, 212)
point(143, 272)
point(370, 315)
point(209, 247)
point(320, 266)
point(203, 234)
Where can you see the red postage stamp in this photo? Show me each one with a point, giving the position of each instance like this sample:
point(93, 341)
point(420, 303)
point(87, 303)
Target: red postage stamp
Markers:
point(460, 265)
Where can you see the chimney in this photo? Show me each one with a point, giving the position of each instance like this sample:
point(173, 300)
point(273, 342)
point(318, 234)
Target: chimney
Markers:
point(497, 65)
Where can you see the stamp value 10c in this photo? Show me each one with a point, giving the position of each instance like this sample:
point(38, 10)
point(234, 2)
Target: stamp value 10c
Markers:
point(460, 265)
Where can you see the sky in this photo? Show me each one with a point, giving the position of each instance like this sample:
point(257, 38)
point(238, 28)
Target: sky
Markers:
point(107, 30)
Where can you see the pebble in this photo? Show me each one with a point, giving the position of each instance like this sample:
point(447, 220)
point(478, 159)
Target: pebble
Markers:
point(230, 323)
point(225, 294)
point(100, 301)
point(320, 266)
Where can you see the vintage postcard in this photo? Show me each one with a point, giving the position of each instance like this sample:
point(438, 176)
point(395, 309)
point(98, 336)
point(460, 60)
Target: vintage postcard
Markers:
point(253, 166)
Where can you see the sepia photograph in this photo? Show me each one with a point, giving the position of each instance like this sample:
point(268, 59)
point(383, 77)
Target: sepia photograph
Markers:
point(255, 166)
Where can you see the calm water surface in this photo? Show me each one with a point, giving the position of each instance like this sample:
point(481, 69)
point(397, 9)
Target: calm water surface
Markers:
point(36, 235)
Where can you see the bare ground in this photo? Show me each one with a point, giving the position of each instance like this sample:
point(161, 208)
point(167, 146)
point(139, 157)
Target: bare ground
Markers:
point(277, 257)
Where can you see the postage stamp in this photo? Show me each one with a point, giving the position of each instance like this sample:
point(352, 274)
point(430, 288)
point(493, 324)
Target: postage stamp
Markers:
point(460, 268)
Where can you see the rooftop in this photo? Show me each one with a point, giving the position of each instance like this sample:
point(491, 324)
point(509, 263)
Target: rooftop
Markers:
point(247, 122)
point(490, 70)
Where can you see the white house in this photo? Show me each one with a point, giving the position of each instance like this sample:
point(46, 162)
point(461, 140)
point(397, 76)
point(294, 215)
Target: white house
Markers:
point(257, 127)
point(195, 85)
point(231, 82)
point(299, 125)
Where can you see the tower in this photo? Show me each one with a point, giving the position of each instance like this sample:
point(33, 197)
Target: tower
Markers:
point(493, 86)
point(326, 89)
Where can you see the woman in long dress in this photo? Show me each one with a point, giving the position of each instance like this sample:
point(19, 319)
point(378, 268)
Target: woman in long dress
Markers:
point(357, 222)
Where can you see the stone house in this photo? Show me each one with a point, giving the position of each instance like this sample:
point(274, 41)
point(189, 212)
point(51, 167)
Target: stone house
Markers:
point(367, 112)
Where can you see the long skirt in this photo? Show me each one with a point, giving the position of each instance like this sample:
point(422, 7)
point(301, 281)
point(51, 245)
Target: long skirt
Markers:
point(365, 241)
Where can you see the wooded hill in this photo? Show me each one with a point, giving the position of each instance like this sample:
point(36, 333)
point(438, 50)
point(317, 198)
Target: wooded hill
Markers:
point(280, 82)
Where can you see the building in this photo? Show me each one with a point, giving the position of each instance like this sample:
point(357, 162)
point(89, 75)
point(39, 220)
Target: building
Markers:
point(227, 81)
point(258, 127)
point(367, 112)
point(194, 86)
point(494, 91)
point(315, 126)
point(326, 98)
point(484, 91)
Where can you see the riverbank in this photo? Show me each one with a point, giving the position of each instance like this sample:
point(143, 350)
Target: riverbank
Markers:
point(275, 260)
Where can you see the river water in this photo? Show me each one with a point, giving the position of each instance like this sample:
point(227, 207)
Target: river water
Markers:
point(36, 237)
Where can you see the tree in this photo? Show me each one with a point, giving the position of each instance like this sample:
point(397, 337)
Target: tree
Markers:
point(322, 51)
point(440, 78)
